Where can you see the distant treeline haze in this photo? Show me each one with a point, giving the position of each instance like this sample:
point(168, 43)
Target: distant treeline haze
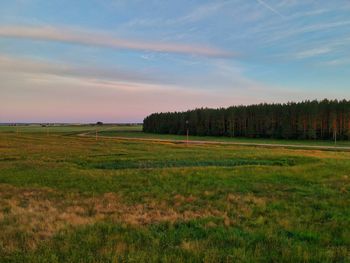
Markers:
point(327, 119)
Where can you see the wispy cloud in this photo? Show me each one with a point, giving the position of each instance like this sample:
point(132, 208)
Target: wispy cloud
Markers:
point(303, 14)
point(197, 14)
point(336, 62)
point(103, 39)
point(201, 12)
point(283, 32)
point(14, 65)
point(271, 8)
point(64, 93)
point(313, 52)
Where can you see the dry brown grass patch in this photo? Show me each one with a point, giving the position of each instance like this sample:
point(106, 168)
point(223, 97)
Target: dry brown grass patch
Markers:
point(246, 199)
point(40, 213)
point(37, 214)
point(190, 245)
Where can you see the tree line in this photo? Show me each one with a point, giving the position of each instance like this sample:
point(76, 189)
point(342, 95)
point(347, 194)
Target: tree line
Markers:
point(326, 119)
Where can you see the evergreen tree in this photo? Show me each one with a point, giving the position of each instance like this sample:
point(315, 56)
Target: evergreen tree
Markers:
point(305, 120)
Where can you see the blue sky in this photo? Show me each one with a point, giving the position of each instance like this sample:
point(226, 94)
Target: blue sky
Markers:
point(118, 60)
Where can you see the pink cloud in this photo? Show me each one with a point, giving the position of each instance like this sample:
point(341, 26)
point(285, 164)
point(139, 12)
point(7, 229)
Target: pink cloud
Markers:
point(102, 39)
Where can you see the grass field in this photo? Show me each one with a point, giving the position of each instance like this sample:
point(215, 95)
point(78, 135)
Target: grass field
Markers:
point(137, 133)
point(67, 198)
point(69, 129)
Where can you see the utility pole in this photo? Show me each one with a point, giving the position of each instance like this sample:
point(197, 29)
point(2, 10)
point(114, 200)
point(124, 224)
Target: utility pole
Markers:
point(335, 134)
point(187, 132)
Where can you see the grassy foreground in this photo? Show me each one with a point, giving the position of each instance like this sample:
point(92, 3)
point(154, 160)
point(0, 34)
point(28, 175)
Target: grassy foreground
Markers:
point(137, 133)
point(66, 198)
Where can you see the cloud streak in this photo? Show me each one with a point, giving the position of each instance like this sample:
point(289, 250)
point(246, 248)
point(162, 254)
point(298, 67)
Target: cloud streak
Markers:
point(13, 65)
point(103, 39)
point(313, 52)
point(39, 91)
point(270, 8)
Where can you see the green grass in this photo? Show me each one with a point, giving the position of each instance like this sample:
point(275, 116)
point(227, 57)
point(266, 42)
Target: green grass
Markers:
point(68, 129)
point(66, 198)
point(139, 134)
point(135, 131)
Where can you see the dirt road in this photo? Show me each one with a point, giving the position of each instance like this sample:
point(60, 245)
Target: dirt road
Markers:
point(296, 146)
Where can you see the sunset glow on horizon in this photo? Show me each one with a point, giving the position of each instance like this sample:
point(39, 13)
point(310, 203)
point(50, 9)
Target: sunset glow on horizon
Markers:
point(119, 61)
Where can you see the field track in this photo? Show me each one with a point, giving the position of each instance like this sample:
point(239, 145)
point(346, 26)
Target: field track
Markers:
point(267, 145)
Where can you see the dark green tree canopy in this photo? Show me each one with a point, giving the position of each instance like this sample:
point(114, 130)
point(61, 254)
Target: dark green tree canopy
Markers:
point(324, 119)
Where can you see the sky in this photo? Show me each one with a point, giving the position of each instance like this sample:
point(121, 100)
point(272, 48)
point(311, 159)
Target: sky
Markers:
point(120, 60)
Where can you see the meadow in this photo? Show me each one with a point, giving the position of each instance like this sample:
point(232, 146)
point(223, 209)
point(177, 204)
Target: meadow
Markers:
point(136, 132)
point(70, 198)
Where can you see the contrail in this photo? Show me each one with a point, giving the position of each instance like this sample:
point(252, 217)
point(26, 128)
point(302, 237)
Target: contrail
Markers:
point(269, 7)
